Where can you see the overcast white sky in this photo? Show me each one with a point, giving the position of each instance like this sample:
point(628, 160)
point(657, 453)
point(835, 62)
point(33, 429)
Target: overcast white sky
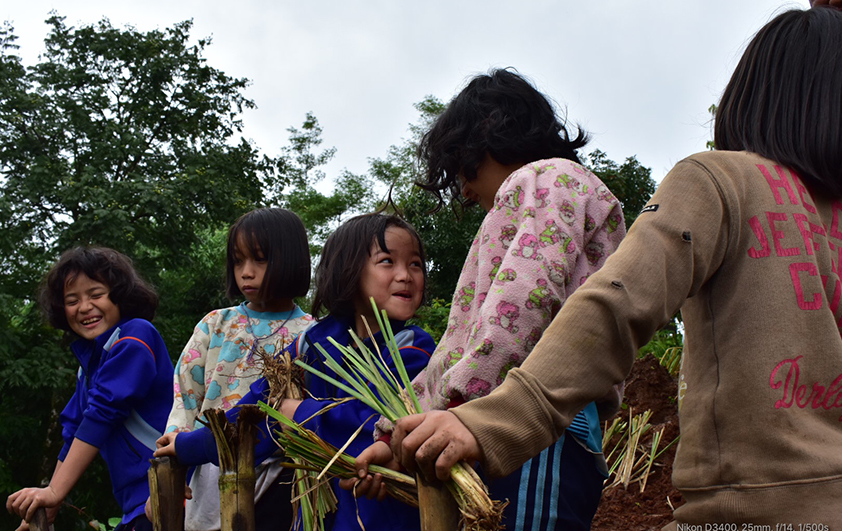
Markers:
point(638, 75)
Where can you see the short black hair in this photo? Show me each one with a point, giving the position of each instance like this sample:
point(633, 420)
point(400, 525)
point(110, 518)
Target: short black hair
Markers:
point(280, 237)
point(784, 100)
point(127, 290)
point(343, 260)
point(499, 114)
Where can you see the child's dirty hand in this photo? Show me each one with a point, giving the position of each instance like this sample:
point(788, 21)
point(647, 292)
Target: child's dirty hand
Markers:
point(166, 445)
point(366, 484)
point(433, 442)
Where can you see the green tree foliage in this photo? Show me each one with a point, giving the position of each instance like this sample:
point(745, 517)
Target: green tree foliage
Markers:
point(631, 182)
point(300, 163)
point(447, 233)
point(710, 144)
point(116, 137)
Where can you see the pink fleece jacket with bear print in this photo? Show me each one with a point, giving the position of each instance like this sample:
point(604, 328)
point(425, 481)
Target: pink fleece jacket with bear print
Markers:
point(552, 225)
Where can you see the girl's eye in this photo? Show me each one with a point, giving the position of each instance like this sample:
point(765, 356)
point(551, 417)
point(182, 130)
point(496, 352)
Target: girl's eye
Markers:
point(417, 264)
point(70, 302)
point(385, 261)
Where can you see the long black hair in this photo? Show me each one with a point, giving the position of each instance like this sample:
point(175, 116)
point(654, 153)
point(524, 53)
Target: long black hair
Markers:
point(499, 114)
point(784, 101)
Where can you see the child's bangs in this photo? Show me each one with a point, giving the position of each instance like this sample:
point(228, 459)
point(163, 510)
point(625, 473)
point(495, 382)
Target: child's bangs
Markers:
point(248, 242)
point(380, 238)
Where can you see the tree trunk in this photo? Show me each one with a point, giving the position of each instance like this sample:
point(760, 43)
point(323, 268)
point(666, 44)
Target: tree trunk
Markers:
point(167, 481)
point(438, 508)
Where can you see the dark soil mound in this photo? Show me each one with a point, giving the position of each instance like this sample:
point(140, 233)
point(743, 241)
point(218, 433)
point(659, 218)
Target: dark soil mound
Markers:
point(651, 387)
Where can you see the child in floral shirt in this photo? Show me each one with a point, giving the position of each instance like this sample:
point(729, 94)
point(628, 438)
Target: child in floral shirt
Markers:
point(550, 224)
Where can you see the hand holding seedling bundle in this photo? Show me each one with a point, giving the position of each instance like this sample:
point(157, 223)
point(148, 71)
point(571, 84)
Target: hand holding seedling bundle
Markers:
point(433, 443)
point(395, 399)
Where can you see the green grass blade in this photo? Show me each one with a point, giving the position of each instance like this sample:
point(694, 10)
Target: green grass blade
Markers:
point(369, 371)
point(341, 451)
point(378, 360)
point(386, 329)
point(368, 375)
point(367, 398)
point(360, 386)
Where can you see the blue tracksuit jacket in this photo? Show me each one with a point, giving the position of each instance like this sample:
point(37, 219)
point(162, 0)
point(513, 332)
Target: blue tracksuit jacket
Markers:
point(122, 400)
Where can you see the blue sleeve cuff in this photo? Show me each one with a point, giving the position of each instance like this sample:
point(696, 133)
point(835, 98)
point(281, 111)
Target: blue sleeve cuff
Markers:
point(306, 409)
point(199, 447)
point(196, 448)
point(93, 432)
point(258, 390)
point(63, 453)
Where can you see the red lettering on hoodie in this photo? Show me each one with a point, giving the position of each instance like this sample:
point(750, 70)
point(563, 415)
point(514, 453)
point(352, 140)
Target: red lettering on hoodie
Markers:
point(807, 230)
point(799, 185)
point(778, 235)
point(816, 300)
point(764, 250)
point(803, 396)
point(775, 184)
point(834, 225)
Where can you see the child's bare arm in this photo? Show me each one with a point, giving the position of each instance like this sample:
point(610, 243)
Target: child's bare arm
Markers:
point(25, 502)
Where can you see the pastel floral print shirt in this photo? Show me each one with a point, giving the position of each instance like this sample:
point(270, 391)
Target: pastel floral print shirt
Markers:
point(218, 364)
point(553, 224)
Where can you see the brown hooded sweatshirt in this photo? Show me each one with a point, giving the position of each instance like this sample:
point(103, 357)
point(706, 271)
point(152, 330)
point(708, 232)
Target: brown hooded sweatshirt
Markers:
point(752, 259)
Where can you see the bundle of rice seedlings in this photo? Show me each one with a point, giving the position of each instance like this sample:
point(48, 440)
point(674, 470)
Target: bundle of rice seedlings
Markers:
point(285, 379)
point(671, 359)
point(397, 399)
point(313, 498)
point(325, 461)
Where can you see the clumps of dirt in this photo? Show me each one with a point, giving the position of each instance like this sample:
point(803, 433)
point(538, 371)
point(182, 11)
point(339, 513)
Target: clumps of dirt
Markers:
point(649, 386)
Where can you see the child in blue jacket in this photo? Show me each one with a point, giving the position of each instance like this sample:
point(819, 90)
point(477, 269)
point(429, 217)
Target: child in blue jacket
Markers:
point(370, 256)
point(124, 383)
